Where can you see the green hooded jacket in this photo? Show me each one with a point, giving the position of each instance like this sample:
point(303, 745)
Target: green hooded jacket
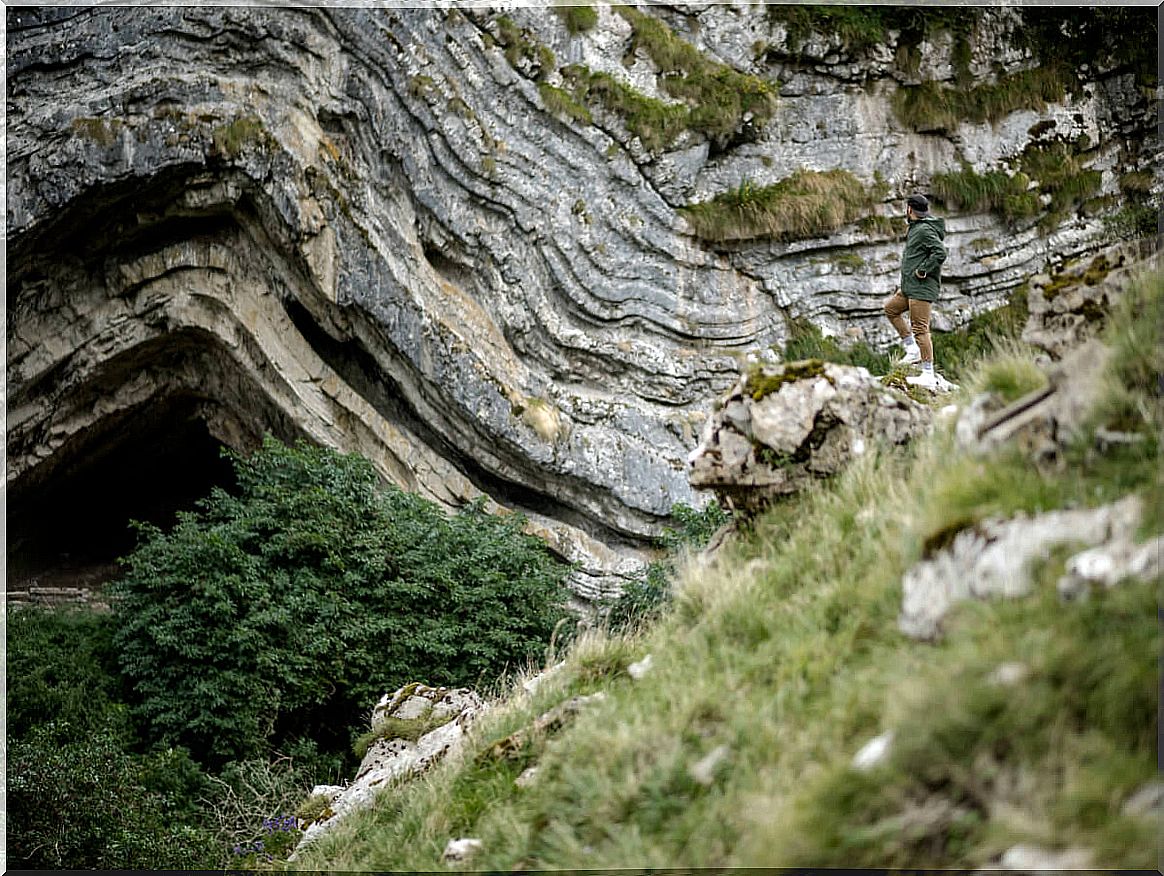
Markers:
point(924, 252)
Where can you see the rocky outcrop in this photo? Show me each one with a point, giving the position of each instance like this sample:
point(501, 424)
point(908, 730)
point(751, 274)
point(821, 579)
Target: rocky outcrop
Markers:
point(369, 227)
point(781, 426)
point(1043, 421)
point(992, 559)
point(403, 746)
point(1067, 307)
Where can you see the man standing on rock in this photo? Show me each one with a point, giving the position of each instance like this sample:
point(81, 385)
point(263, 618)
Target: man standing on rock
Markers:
point(921, 281)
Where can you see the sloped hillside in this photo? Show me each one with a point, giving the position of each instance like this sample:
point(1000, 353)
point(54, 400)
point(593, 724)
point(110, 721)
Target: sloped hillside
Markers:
point(785, 719)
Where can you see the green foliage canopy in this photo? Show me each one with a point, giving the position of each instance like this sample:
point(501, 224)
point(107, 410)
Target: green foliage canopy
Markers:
point(285, 610)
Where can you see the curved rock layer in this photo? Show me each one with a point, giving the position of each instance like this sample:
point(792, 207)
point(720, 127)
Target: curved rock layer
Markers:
point(363, 227)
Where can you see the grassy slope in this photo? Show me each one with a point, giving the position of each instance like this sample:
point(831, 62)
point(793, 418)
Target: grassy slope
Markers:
point(785, 649)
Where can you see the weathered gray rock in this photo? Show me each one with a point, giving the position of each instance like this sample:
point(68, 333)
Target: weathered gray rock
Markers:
point(531, 684)
point(364, 227)
point(1042, 422)
point(640, 668)
point(874, 752)
point(545, 724)
point(1148, 800)
point(1108, 564)
point(459, 850)
point(990, 559)
point(783, 425)
point(704, 770)
point(391, 758)
point(1027, 858)
point(1010, 674)
point(526, 779)
point(1069, 306)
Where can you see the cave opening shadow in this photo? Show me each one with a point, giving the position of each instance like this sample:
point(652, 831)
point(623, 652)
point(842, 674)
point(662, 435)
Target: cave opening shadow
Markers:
point(70, 530)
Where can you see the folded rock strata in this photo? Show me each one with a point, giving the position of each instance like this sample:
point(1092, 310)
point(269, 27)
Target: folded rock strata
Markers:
point(366, 227)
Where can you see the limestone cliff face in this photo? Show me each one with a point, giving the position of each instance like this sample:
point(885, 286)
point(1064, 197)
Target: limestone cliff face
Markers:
point(365, 227)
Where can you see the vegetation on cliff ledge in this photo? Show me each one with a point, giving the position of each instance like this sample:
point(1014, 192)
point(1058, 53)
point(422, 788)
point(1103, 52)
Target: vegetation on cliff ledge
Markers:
point(930, 106)
point(712, 99)
point(1054, 170)
point(808, 203)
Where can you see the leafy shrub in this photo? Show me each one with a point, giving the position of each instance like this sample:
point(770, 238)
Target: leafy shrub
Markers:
point(282, 612)
point(62, 663)
point(645, 597)
point(77, 800)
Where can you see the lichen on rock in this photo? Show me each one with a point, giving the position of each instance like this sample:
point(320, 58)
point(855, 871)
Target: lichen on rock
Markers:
point(783, 425)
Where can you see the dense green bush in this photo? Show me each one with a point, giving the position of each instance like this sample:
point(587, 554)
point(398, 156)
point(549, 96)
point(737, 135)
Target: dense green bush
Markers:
point(62, 664)
point(79, 794)
point(645, 597)
point(285, 610)
point(78, 800)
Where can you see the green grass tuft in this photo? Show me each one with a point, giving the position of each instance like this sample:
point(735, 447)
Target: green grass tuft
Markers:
point(248, 131)
point(807, 204)
point(410, 730)
point(956, 354)
point(807, 341)
point(968, 190)
point(561, 103)
point(934, 107)
point(578, 19)
point(878, 228)
point(520, 46)
point(1011, 377)
point(1055, 168)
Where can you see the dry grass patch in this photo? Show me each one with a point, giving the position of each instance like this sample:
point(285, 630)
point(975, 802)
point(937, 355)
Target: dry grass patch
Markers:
point(807, 204)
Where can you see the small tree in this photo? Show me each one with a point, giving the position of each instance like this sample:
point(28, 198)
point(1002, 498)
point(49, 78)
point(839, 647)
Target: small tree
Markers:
point(286, 609)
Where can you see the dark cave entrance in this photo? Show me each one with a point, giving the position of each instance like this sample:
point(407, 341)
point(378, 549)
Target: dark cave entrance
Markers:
point(69, 529)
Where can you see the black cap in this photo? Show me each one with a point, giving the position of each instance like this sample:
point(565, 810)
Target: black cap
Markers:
point(919, 203)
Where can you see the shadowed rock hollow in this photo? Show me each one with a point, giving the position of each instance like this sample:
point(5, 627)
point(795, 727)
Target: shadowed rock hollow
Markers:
point(366, 228)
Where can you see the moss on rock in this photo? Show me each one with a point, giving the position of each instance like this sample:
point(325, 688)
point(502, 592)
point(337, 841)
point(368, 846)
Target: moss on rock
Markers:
point(761, 383)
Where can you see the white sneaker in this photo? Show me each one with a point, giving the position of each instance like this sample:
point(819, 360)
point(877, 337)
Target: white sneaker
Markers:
point(930, 379)
point(912, 355)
